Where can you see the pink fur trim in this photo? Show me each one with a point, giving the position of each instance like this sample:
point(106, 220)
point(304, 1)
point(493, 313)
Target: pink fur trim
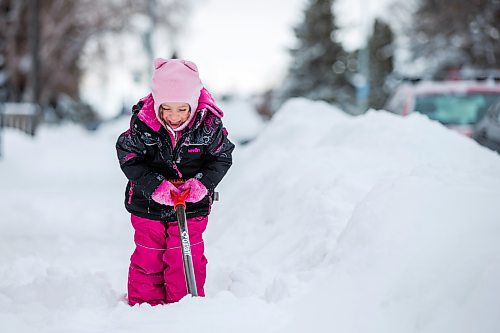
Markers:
point(197, 190)
point(162, 193)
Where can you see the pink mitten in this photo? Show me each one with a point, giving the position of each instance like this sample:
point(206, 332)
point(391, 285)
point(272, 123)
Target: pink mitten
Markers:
point(162, 193)
point(197, 190)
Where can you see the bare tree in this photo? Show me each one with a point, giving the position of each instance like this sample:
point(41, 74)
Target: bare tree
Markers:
point(459, 33)
point(65, 28)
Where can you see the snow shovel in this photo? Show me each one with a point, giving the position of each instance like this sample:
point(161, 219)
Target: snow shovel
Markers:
point(187, 259)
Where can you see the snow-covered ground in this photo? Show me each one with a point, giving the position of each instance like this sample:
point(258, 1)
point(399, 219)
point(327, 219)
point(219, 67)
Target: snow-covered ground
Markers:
point(327, 223)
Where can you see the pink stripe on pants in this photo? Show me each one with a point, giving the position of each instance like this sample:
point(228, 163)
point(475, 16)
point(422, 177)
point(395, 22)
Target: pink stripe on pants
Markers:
point(156, 273)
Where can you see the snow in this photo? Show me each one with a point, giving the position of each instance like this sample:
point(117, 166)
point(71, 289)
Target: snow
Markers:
point(326, 222)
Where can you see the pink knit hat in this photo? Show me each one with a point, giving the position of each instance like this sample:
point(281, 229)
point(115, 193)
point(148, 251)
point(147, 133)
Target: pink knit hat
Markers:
point(175, 80)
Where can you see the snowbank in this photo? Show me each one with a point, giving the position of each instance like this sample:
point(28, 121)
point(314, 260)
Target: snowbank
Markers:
point(326, 222)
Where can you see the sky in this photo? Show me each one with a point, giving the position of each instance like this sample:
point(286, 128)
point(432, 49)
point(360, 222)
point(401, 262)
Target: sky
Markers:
point(248, 43)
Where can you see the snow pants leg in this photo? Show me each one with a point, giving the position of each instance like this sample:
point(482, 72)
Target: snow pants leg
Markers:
point(156, 273)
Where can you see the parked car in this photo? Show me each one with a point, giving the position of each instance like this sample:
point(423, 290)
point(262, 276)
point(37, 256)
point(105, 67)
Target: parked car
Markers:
point(487, 131)
point(459, 105)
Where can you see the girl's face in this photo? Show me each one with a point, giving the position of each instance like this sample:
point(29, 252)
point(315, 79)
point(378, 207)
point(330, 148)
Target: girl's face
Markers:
point(174, 114)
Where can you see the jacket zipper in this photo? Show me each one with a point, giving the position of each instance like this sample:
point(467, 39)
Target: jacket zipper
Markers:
point(176, 169)
point(175, 151)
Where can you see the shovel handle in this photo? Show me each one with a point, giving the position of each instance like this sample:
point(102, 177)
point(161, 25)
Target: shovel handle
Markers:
point(180, 199)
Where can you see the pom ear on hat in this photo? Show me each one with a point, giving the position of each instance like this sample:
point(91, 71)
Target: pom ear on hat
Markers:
point(158, 62)
point(190, 65)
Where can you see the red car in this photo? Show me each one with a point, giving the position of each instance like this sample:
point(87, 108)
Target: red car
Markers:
point(458, 105)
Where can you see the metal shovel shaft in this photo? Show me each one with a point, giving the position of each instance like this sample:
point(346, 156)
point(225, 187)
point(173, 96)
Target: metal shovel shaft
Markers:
point(187, 258)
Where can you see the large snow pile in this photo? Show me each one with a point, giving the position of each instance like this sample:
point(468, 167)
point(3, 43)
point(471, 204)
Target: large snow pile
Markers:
point(326, 223)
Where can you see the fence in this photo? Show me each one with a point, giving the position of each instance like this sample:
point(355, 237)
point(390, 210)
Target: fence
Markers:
point(22, 116)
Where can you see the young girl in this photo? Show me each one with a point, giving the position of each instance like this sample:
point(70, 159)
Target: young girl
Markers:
point(175, 133)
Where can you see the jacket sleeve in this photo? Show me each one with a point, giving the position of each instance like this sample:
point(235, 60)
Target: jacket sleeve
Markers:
point(218, 158)
point(132, 155)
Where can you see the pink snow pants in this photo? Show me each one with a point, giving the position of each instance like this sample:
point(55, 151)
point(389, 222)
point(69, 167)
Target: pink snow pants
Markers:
point(156, 273)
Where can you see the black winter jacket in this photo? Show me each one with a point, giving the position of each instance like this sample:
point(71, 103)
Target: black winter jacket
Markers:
point(147, 158)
